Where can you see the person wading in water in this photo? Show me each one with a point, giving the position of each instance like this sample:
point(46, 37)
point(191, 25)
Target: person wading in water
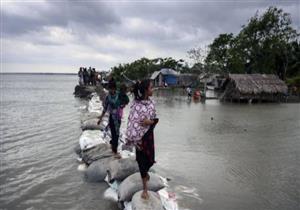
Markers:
point(141, 122)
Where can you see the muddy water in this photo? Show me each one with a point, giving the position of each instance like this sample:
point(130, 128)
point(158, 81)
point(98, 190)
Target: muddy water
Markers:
point(218, 156)
point(235, 156)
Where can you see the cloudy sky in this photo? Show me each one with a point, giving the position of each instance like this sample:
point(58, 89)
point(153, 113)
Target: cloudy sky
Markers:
point(61, 36)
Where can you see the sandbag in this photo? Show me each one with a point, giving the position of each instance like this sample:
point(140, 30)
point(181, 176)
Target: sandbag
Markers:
point(97, 171)
point(98, 152)
point(90, 115)
point(77, 149)
point(95, 105)
point(133, 184)
point(91, 124)
point(153, 203)
point(90, 138)
point(121, 169)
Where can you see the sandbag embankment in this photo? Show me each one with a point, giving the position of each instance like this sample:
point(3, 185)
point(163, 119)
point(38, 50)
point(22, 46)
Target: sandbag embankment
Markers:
point(152, 203)
point(91, 124)
point(122, 168)
point(86, 91)
point(133, 184)
point(97, 171)
point(98, 152)
point(90, 139)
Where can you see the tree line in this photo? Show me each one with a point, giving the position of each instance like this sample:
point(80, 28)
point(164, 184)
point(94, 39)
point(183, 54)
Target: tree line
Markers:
point(267, 44)
point(144, 67)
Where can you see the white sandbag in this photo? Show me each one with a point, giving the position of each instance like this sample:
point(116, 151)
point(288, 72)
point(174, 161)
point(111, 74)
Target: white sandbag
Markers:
point(84, 107)
point(90, 138)
point(121, 169)
point(126, 153)
point(110, 194)
point(95, 105)
point(95, 108)
point(91, 124)
point(168, 199)
point(133, 184)
point(82, 167)
point(153, 203)
point(96, 153)
point(97, 171)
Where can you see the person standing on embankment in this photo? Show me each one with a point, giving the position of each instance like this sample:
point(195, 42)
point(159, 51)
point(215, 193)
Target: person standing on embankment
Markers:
point(124, 100)
point(141, 122)
point(112, 104)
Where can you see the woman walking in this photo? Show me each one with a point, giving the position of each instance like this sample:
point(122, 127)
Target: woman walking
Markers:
point(112, 105)
point(141, 122)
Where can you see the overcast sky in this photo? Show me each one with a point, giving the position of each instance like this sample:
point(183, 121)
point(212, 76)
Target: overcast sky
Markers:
point(61, 36)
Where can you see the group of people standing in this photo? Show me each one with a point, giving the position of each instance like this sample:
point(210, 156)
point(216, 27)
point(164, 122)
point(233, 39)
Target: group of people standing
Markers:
point(88, 76)
point(141, 123)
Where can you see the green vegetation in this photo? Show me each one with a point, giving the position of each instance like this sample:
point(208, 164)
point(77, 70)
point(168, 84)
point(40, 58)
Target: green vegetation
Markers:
point(293, 81)
point(267, 44)
point(144, 67)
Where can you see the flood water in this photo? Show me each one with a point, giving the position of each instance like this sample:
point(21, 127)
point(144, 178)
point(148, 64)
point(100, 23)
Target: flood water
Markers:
point(218, 156)
point(237, 156)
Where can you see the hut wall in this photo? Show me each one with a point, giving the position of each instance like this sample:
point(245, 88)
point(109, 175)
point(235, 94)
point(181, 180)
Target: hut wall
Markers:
point(170, 79)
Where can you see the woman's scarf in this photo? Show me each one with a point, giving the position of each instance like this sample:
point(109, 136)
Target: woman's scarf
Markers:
point(139, 110)
point(111, 103)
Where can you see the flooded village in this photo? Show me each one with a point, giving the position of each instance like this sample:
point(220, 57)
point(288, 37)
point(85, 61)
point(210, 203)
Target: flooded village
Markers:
point(240, 88)
point(224, 138)
point(227, 107)
point(150, 105)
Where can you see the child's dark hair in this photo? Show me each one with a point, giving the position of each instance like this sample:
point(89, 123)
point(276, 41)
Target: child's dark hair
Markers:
point(112, 84)
point(124, 100)
point(140, 88)
point(123, 88)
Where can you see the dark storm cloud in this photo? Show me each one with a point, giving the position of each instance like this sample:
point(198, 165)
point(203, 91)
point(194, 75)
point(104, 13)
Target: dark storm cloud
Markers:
point(210, 17)
point(24, 17)
point(214, 17)
point(16, 23)
point(106, 33)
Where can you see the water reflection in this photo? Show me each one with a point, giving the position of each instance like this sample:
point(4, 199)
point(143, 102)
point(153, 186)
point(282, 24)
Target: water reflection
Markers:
point(238, 156)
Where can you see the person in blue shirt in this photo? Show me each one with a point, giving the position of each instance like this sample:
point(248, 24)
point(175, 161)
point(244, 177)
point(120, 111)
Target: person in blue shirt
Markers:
point(113, 102)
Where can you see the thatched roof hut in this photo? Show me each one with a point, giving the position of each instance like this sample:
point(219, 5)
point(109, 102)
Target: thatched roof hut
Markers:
point(260, 87)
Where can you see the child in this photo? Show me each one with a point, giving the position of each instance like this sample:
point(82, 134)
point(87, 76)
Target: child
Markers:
point(141, 122)
point(112, 104)
point(124, 100)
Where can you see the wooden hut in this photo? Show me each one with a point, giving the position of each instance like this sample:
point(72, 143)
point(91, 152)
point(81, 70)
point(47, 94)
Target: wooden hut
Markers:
point(253, 88)
point(165, 76)
point(187, 79)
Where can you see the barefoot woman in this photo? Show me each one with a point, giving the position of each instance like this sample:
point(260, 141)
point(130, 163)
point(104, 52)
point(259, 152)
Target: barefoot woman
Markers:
point(141, 122)
point(111, 105)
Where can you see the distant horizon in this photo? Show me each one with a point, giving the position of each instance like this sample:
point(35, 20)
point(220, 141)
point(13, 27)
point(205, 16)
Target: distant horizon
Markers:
point(49, 73)
point(75, 73)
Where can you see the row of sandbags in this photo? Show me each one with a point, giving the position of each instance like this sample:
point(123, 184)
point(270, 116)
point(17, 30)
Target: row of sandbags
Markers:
point(95, 152)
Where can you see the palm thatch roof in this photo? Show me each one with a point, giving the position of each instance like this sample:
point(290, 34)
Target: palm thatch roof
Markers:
point(258, 83)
